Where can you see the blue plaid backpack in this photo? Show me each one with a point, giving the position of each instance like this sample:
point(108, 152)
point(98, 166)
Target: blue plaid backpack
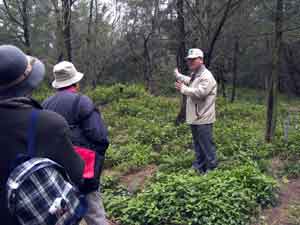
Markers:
point(39, 191)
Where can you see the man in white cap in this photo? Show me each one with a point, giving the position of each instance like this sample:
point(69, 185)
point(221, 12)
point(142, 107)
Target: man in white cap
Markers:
point(201, 91)
point(87, 130)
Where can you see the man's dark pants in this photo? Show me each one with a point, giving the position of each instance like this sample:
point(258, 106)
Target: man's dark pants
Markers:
point(205, 148)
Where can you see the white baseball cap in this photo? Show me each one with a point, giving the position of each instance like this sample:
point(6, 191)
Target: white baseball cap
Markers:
point(65, 74)
point(195, 53)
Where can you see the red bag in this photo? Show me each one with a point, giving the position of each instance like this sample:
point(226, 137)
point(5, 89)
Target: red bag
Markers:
point(89, 158)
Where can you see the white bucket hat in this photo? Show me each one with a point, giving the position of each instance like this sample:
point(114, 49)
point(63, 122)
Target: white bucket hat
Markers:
point(65, 74)
point(195, 53)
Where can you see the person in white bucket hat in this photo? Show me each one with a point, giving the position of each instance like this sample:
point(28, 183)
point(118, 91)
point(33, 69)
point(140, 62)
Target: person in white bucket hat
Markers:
point(201, 90)
point(65, 75)
point(88, 131)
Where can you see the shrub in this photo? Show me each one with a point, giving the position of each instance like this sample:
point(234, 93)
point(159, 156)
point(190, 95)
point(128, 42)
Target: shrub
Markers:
point(104, 95)
point(221, 197)
point(130, 156)
point(42, 92)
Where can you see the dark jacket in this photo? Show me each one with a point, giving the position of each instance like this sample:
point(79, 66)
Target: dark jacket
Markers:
point(52, 141)
point(87, 127)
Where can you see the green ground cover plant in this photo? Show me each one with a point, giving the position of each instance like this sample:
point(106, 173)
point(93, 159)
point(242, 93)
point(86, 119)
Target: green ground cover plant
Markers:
point(142, 132)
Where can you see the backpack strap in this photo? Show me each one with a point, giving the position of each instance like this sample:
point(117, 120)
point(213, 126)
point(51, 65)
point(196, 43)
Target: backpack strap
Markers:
point(31, 144)
point(32, 133)
point(76, 113)
point(75, 106)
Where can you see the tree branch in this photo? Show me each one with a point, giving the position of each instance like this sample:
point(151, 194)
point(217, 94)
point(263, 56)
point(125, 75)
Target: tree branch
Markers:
point(218, 31)
point(10, 15)
point(272, 33)
point(197, 18)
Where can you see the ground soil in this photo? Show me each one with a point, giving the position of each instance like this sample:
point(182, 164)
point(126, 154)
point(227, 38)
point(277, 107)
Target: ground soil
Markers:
point(289, 195)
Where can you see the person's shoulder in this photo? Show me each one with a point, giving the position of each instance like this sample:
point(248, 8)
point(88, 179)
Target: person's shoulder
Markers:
point(208, 74)
point(86, 105)
point(207, 71)
point(47, 100)
point(86, 101)
point(52, 120)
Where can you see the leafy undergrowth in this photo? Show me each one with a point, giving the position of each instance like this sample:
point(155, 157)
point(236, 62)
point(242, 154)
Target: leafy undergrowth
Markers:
point(220, 197)
point(143, 133)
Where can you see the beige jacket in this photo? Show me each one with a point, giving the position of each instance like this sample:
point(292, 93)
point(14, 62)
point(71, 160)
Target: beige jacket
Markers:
point(201, 97)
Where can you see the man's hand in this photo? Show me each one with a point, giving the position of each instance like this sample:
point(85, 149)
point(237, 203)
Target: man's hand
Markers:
point(178, 85)
point(176, 73)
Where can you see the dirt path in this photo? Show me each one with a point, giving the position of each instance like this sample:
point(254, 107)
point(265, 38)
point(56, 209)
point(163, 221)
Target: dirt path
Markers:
point(133, 181)
point(288, 211)
point(137, 179)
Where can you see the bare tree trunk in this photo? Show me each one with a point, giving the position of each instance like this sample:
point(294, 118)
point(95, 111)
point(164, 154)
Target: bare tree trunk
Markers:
point(273, 87)
point(221, 79)
point(147, 66)
point(89, 57)
point(180, 58)
point(97, 13)
point(265, 71)
point(66, 8)
point(97, 76)
point(197, 6)
point(223, 86)
point(199, 33)
point(24, 23)
point(60, 44)
point(88, 39)
point(155, 16)
point(234, 77)
point(217, 33)
point(26, 26)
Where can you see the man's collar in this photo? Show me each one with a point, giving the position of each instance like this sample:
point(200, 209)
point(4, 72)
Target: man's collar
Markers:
point(70, 89)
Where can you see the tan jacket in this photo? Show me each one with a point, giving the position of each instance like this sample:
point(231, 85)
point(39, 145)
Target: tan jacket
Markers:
point(201, 97)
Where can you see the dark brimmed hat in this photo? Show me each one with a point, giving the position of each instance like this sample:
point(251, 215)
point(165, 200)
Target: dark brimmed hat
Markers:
point(19, 73)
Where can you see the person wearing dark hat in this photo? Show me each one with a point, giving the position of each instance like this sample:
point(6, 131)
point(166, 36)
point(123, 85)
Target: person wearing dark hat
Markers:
point(19, 76)
point(87, 130)
point(201, 91)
